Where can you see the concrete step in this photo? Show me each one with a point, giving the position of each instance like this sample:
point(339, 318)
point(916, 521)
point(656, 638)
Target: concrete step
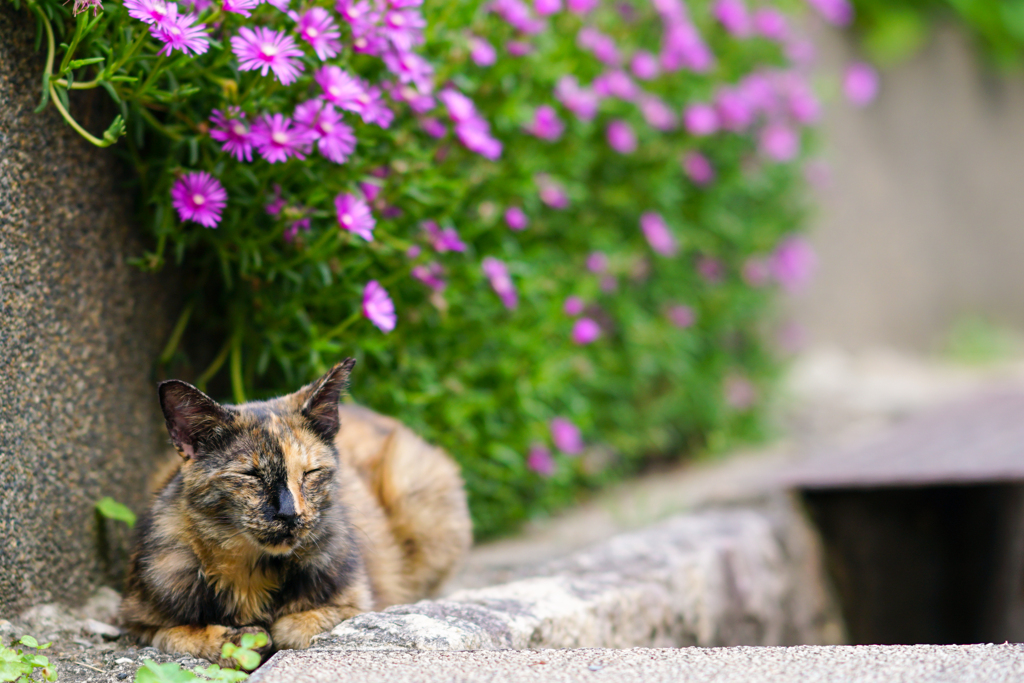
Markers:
point(849, 664)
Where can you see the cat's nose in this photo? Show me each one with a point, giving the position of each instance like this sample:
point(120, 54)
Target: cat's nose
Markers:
point(286, 506)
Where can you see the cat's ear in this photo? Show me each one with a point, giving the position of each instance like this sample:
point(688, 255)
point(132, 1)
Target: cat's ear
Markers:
point(193, 419)
point(320, 405)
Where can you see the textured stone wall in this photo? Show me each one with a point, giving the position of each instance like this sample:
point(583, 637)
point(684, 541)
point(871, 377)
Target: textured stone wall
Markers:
point(79, 330)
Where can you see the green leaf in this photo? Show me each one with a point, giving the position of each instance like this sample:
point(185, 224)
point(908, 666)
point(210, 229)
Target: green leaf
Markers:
point(79, 63)
point(40, 661)
point(151, 672)
point(215, 673)
point(30, 641)
point(12, 671)
point(107, 506)
point(111, 135)
point(247, 659)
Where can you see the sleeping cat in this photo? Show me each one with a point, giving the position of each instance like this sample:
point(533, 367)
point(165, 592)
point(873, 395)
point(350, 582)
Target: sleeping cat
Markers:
point(286, 517)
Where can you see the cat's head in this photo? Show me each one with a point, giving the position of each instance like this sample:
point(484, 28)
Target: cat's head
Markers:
point(261, 471)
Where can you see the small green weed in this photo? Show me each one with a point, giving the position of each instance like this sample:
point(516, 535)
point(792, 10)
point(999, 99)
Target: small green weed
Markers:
point(172, 672)
point(20, 665)
point(111, 509)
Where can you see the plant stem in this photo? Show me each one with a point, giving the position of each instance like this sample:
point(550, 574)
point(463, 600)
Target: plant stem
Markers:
point(74, 124)
point(175, 338)
point(344, 325)
point(236, 368)
point(209, 372)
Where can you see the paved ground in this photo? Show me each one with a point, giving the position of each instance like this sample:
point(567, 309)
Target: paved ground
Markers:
point(867, 664)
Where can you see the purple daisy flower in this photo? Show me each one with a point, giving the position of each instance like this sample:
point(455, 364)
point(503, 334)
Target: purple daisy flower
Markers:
point(698, 168)
point(432, 275)
point(546, 7)
point(546, 125)
point(276, 138)
point(860, 84)
point(150, 11)
point(700, 119)
point(566, 436)
point(540, 461)
point(334, 138)
point(597, 262)
point(644, 65)
point(372, 108)
point(199, 197)
point(658, 235)
point(232, 130)
point(582, 102)
point(403, 28)
point(340, 87)
point(443, 240)
point(585, 331)
point(181, 33)
point(240, 6)
point(355, 216)
point(733, 16)
point(516, 218)
point(460, 108)
point(621, 137)
point(657, 114)
point(265, 49)
point(475, 134)
point(378, 307)
point(779, 142)
point(497, 273)
point(317, 28)
point(573, 306)
point(481, 52)
point(681, 316)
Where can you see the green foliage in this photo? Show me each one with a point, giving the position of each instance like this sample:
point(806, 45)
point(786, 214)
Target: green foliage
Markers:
point(974, 340)
point(111, 509)
point(894, 30)
point(265, 314)
point(20, 666)
point(172, 672)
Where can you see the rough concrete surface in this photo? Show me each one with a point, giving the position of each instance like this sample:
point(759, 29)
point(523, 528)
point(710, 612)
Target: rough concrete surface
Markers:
point(719, 577)
point(79, 331)
point(810, 664)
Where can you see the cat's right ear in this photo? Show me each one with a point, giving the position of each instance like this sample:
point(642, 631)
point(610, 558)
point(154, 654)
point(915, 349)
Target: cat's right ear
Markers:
point(193, 418)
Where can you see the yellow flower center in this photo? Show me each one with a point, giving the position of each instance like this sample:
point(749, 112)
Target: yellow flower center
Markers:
point(268, 49)
point(279, 137)
point(312, 32)
point(198, 199)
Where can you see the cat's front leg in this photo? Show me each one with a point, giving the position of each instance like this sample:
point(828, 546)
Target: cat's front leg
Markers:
point(294, 631)
point(207, 642)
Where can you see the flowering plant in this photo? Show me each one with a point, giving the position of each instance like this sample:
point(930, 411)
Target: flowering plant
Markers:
point(551, 232)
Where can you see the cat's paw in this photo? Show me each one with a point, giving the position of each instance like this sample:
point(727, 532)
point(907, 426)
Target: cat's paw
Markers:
point(234, 636)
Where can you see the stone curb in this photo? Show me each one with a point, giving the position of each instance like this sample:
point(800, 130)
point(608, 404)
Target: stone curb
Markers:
point(719, 577)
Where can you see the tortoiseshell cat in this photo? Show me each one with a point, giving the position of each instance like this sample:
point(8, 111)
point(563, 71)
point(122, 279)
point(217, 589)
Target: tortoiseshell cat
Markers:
point(288, 516)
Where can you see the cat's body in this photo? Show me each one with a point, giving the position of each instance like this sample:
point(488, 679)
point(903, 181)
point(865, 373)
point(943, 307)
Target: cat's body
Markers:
point(278, 520)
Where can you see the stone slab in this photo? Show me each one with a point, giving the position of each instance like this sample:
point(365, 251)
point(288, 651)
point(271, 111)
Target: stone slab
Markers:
point(807, 664)
point(977, 440)
point(719, 577)
point(79, 331)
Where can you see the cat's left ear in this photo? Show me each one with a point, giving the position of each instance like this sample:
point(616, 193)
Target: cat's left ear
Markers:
point(320, 406)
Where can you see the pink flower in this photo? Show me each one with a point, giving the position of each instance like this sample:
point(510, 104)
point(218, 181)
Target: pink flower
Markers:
point(340, 87)
point(154, 12)
point(733, 16)
point(412, 69)
point(739, 392)
point(573, 306)
point(681, 316)
point(432, 275)
point(657, 114)
point(779, 142)
point(497, 273)
point(240, 6)
point(546, 124)
point(481, 52)
point(582, 102)
point(701, 119)
point(616, 84)
point(602, 46)
point(547, 7)
point(540, 461)
point(277, 204)
point(180, 33)
point(803, 105)
point(734, 109)
point(199, 197)
point(621, 137)
point(414, 251)
point(581, 6)
point(354, 215)
point(460, 108)
point(378, 307)
point(317, 28)
point(551, 192)
point(404, 28)
point(233, 132)
point(793, 263)
point(710, 269)
point(644, 65)
point(293, 230)
point(698, 168)
point(771, 24)
point(334, 138)
point(609, 284)
point(265, 50)
point(276, 138)
point(475, 134)
point(756, 271)
point(443, 240)
point(371, 108)
point(860, 84)
point(518, 48)
point(838, 12)
point(434, 128)
point(597, 262)
point(658, 235)
point(566, 436)
point(516, 218)
point(683, 47)
point(585, 331)
point(370, 190)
